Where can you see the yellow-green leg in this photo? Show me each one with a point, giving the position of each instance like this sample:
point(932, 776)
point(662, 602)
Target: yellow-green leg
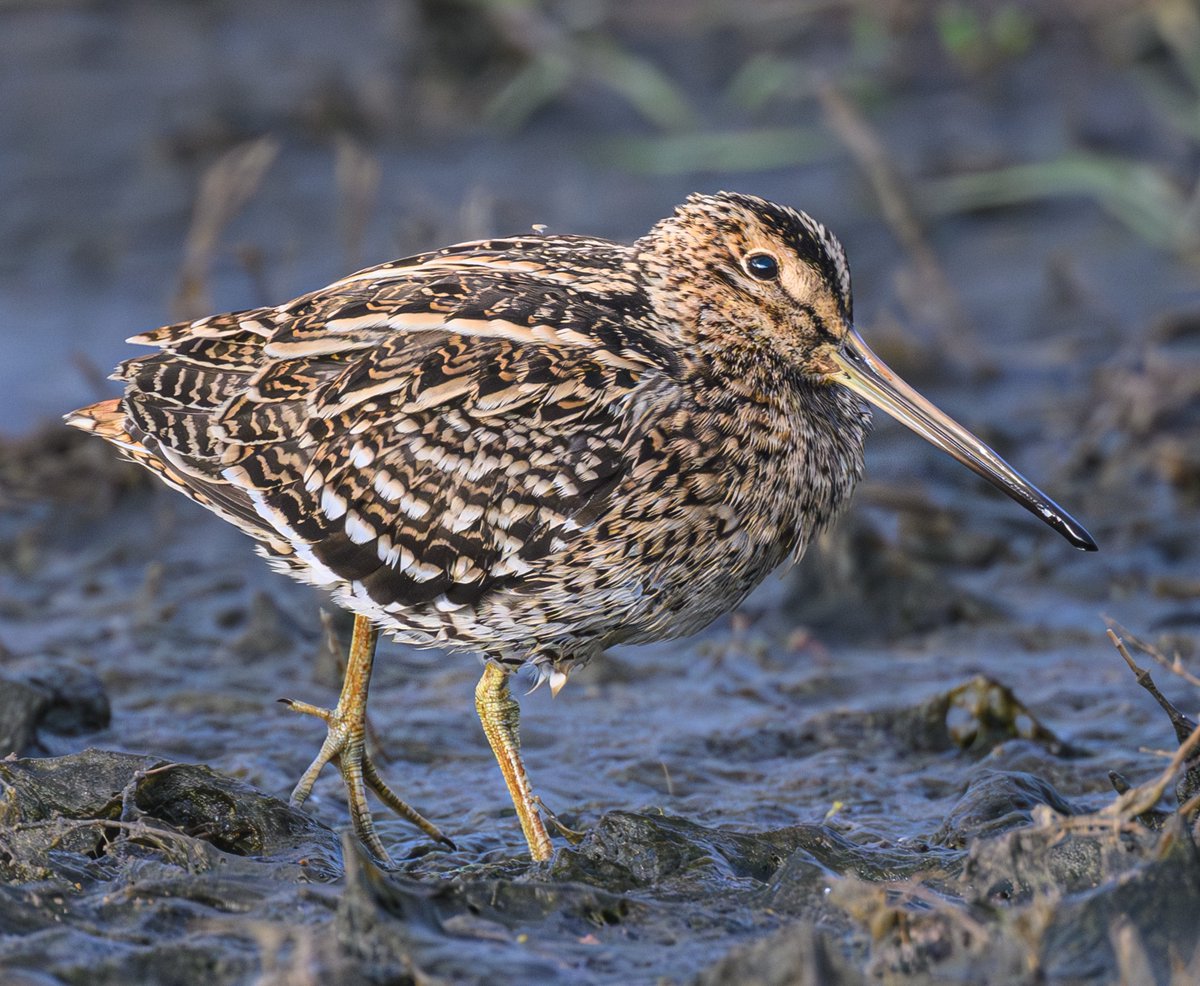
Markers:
point(501, 718)
point(345, 743)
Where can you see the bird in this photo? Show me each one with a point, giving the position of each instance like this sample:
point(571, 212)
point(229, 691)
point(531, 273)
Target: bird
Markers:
point(533, 448)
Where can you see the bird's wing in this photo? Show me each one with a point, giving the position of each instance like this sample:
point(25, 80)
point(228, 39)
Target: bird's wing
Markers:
point(426, 431)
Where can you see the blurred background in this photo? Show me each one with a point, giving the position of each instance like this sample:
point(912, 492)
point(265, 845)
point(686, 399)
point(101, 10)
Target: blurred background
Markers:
point(1001, 172)
point(1017, 184)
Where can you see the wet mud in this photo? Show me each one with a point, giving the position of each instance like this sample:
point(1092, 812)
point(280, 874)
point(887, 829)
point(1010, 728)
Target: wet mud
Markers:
point(833, 811)
point(916, 758)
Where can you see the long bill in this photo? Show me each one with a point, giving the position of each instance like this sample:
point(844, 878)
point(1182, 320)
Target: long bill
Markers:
point(863, 372)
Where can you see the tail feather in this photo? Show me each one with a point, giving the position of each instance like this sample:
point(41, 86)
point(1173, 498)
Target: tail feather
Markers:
point(110, 421)
point(106, 419)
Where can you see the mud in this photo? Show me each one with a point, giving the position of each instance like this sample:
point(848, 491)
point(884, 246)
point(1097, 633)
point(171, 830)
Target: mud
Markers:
point(915, 759)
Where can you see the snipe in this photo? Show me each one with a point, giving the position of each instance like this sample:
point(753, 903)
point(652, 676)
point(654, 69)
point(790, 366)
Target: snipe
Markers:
point(533, 448)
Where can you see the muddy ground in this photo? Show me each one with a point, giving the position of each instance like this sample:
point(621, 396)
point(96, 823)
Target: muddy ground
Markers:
point(895, 764)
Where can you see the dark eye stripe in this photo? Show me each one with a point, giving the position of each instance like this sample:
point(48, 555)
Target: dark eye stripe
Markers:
point(818, 324)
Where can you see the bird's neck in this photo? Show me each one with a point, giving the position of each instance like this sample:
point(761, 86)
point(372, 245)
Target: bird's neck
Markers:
point(728, 359)
point(801, 437)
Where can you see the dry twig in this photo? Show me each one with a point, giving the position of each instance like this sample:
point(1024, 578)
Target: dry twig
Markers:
point(1175, 665)
point(900, 214)
point(225, 189)
point(357, 174)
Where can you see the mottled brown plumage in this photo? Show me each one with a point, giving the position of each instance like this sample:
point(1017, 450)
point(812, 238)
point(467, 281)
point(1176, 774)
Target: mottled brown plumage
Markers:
point(532, 448)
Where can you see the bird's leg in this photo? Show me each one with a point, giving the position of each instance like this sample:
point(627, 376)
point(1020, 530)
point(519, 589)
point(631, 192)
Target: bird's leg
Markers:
point(501, 718)
point(345, 743)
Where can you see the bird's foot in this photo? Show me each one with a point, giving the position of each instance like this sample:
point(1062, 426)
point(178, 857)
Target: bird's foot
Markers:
point(344, 744)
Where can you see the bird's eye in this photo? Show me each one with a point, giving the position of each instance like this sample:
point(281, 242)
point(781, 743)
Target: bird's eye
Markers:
point(763, 266)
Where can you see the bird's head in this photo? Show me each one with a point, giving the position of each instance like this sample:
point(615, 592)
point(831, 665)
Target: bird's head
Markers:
point(746, 277)
point(746, 274)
